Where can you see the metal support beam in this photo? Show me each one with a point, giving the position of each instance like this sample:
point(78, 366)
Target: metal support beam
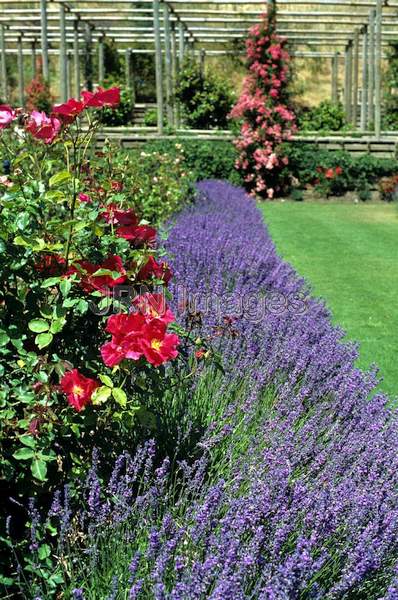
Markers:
point(33, 47)
point(158, 65)
point(365, 81)
point(355, 78)
point(88, 58)
point(378, 34)
point(76, 57)
point(3, 64)
point(168, 69)
point(63, 58)
point(21, 83)
point(371, 75)
point(348, 81)
point(181, 43)
point(101, 61)
point(202, 62)
point(70, 71)
point(174, 72)
point(335, 78)
point(44, 40)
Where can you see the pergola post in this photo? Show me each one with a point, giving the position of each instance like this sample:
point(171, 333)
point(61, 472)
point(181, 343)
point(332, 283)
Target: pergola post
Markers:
point(158, 65)
point(3, 64)
point(348, 81)
point(44, 40)
point(127, 68)
point(21, 83)
point(76, 55)
point(379, 10)
point(33, 47)
point(365, 81)
point(63, 59)
point(174, 71)
point(88, 59)
point(355, 78)
point(371, 75)
point(168, 70)
point(181, 43)
point(101, 61)
point(70, 69)
point(202, 62)
point(335, 78)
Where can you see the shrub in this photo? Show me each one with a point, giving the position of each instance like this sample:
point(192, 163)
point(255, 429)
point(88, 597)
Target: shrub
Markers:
point(327, 116)
point(203, 159)
point(83, 335)
point(38, 95)
point(310, 165)
point(263, 109)
point(389, 188)
point(205, 99)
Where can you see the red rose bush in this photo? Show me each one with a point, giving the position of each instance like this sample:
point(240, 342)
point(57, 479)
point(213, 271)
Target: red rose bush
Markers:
point(87, 340)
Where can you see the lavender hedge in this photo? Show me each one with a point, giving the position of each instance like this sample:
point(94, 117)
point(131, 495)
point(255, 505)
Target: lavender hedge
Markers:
point(302, 501)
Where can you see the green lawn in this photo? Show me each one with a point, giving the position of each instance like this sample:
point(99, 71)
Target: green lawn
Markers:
point(349, 254)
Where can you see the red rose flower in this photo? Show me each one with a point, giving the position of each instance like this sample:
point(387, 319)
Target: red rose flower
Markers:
point(158, 346)
point(68, 111)
point(90, 282)
point(338, 171)
point(117, 216)
point(50, 265)
point(78, 389)
point(42, 127)
point(329, 174)
point(125, 330)
point(102, 98)
point(153, 306)
point(139, 235)
point(153, 269)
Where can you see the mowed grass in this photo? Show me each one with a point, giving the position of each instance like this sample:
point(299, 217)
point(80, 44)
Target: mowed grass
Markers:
point(349, 255)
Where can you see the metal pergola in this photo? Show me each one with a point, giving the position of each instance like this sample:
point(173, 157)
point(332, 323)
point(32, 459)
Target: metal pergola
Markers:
point(349, 33)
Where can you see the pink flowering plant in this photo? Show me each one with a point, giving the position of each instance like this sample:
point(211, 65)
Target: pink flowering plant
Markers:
point(264, 112)
point(88, 343)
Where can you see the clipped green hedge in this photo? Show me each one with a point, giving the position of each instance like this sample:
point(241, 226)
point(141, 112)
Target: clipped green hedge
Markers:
point(205, 159)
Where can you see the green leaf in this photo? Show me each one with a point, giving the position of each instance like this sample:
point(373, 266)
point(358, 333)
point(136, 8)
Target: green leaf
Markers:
point(38, 325)
point(28, 440)
point(50, 282)
point(57, 326)
point(4, 338)
point(19, 240)
point(39, 469)
point(44, 339)
point(65, 287)
point(106, 380)
point(120, 396)
point(44, 551)
point(23, 454)
point(101, 395)
point(59, 178)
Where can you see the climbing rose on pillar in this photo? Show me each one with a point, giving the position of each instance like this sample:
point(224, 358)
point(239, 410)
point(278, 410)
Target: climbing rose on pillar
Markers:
point(263, 109)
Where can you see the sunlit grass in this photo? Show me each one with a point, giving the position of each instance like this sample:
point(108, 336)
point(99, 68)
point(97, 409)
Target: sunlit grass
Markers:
point(349, 255)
